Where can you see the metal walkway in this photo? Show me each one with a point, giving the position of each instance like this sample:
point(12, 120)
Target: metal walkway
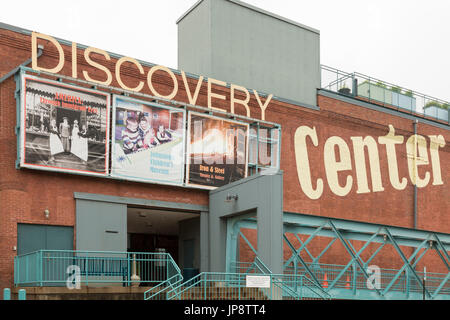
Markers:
point(364, 246)
point(235, 286)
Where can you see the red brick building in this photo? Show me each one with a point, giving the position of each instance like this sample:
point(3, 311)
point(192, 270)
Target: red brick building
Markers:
point(342, 181)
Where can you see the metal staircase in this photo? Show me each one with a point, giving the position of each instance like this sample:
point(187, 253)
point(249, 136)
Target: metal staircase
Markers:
point(227, 285)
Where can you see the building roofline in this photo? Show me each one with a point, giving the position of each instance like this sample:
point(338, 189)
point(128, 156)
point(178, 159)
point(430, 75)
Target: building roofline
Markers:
point(150, 64)
point(380, 108)
point(256, 9)
point(28, 32)
point(195, 5)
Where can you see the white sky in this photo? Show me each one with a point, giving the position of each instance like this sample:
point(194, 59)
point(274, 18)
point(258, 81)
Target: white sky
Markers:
point(403, 42)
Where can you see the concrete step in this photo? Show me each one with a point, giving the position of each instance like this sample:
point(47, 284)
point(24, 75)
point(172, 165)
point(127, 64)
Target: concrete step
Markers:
point(84, 293)
point(220, 293)
point(134, 293)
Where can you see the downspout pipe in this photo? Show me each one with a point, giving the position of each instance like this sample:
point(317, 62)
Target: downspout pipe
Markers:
point(13, 71)
point(415, 182)
point(415, 179)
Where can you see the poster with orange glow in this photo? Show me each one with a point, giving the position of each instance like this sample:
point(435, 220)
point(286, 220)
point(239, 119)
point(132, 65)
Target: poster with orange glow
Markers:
point(217, 151)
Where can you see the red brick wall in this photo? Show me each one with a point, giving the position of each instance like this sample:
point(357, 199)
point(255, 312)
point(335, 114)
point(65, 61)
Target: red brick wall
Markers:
point(25, 194)
point(391, 206)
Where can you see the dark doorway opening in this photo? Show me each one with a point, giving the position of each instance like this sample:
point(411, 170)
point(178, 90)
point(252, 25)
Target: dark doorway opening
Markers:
point(71, 115)
point(157, 231)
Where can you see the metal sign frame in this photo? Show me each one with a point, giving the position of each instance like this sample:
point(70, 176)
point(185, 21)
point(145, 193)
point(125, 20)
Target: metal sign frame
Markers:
point(21, 124)
point(150, 100)
point(113, 130)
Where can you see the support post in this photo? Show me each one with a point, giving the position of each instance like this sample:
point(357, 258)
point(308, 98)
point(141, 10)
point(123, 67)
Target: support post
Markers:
point(355, 86)
point(204, 242)
point(405, 261)
point(7, 294)
point(22, 294)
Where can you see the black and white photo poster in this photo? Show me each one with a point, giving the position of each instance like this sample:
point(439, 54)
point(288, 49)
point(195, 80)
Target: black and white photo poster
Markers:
point(63, 127)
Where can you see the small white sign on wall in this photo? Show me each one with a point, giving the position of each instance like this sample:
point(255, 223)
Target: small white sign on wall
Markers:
point(257, 281)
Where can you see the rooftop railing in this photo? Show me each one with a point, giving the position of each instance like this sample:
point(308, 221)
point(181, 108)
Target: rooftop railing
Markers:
point(383, 93)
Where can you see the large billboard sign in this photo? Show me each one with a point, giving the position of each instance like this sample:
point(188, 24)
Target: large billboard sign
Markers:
point(217, 151)
point(147, 142)
point(421, 159)
point(63, 127)
point(212, 86)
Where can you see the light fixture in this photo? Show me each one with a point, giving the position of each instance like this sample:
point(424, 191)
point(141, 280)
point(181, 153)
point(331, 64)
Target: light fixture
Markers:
point(47, 213)
point(431, 244)
point(230, 197)
point(142, 214)
point(384, 237)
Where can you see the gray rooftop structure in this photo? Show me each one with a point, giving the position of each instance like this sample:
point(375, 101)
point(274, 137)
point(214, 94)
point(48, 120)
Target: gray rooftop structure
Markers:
point(233, 41)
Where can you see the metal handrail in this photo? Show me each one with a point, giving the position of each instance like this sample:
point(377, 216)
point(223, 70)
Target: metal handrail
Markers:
point(389, 94)
point(165, 286)
point(176, 291)
point(253, 266)
point(358, 280)
point(376, 80)
point(345, 75)
point(49, 267)
point(291, 287)
point(260, 262)
point(256, 265)
point(314, 287)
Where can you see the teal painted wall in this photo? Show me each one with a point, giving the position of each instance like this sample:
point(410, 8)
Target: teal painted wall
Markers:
point(101, 226)
point(189, 235)
point(33, 237)
point(260, 194)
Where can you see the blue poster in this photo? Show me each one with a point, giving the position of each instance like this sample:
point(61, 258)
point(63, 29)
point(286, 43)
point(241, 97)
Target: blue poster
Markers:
point(148, 141)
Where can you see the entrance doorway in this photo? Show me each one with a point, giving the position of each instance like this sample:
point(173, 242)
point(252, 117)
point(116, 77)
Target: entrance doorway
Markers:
point(60, 113)
point(149, 227)
point(173, 232)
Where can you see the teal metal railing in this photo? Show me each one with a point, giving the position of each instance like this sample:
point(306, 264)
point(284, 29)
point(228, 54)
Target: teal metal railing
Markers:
point(234, 286)
point(387, 94)
point(303, 287)
point(51, 268)
point(354, 279)
point(174, 278)
point(300, 285)
point(256, 266)
point(160, 291)
point(215, 286)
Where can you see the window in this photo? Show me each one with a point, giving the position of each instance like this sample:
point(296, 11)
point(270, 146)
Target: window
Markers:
point(264, 148)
